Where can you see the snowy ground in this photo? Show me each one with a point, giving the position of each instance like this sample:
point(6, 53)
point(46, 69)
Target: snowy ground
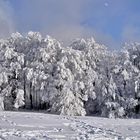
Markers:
point(41, 126)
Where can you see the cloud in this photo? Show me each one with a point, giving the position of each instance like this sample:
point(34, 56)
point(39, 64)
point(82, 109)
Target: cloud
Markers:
point(106, 20)
point(62, 19)
point(131, 30)
point(6, 20)
point(131, 33)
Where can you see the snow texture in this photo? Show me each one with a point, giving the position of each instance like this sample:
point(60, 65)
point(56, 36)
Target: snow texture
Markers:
point(41, 126)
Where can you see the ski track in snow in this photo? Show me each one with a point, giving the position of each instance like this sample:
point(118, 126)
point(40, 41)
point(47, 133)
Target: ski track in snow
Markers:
point(41, 126)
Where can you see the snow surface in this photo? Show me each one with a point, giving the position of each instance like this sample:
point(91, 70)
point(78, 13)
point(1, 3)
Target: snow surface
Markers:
point(42, 126)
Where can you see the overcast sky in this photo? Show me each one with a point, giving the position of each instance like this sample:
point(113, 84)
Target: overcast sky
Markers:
point(111, 22)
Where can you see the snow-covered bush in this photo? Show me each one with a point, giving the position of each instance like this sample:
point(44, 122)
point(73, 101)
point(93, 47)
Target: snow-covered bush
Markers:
point(19, 101)
point(1, 104)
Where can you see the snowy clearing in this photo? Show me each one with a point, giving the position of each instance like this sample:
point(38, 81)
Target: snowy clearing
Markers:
point(41, 126)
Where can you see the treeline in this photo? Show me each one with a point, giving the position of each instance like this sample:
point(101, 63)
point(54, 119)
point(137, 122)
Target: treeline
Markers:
point(84, 78)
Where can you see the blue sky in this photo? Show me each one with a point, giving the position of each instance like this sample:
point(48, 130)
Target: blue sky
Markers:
point(111, 22)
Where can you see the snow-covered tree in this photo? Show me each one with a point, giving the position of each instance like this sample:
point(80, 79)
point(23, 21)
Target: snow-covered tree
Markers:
point(83, 78)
